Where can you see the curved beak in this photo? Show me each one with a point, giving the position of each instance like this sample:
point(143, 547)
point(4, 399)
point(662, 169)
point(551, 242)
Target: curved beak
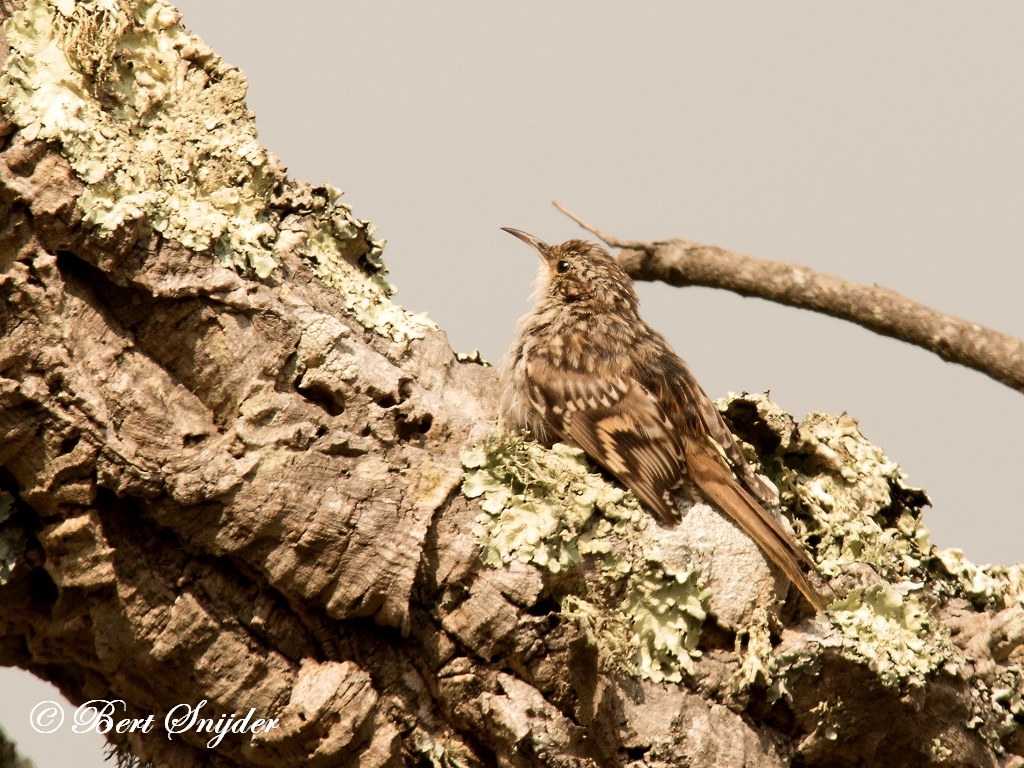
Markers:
point(538, 245)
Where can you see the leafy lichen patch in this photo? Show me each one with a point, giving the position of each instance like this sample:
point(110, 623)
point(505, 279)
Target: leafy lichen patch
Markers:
point(757, 664)
point(152, 121)
point(997, 586)
point(653, 633)
point(851, 504)
point(367, 295)
point(841, 489)
point(665, 609)
point(548, 508)
point(156, 126)
point(541, 506)
point(895, 636)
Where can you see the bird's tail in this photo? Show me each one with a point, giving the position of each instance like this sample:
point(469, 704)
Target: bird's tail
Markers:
point(717, 484)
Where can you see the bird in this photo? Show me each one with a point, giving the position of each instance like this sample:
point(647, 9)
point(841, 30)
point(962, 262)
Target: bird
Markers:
point(585, 368)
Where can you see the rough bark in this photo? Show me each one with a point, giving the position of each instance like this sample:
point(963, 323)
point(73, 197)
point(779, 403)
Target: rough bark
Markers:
point(682, 262)
point(284, 493)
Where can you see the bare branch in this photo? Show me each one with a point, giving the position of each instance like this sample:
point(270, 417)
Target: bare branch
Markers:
point(681, 262)
point(614, 242)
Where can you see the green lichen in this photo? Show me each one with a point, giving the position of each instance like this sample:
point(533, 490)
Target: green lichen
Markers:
point(841, 490)
point(541, 506)
point(149, 132)
point(895, 636)
point(609, 630)
point(1006, 702)
point(156, 126)
point(995, 586)
point(665, 610)
point(472, 357)
point(757, 664)
point(938, 751)
point(548, 508)
point(653, 633)
point(366, 295)
point(830, 716)
point(851, 504)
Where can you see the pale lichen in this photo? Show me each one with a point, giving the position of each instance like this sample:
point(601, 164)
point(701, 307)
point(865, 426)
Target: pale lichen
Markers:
point(366, 294)
point(653, 633)
point(609, 630)
point(841, 489)
point(540, 506)
point(150, 133)
point(938, 751)
point(997, 586)
point(830, 717)
point(548, 508)
point(156, 126)
point(851, 505)
point(666, 610)
point(757, 663)
point(472, 357)
point(895, 636)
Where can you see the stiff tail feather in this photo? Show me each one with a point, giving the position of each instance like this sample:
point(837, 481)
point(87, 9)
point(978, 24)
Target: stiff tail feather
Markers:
point(716, 482)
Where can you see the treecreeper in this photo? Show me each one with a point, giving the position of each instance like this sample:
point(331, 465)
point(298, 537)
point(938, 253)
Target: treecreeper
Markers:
point(586, 368)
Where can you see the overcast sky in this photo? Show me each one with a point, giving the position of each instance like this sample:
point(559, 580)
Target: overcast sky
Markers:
point(877, 142)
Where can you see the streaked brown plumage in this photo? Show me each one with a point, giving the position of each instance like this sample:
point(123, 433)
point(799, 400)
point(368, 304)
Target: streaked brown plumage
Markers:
point(586, 368)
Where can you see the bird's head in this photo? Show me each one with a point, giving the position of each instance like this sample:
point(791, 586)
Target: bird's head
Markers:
point(581, 273)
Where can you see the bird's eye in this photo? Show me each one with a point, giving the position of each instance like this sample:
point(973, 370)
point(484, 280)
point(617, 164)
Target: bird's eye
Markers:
point(562, 267)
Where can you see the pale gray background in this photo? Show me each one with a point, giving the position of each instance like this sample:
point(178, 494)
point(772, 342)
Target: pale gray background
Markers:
point(876, 142)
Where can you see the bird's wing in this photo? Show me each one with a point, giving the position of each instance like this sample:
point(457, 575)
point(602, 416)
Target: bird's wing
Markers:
point(620, 426)
point(680, 386)
point(716, 482)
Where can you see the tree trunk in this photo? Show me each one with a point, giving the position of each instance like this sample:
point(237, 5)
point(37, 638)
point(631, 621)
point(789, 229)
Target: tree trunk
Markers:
point(233, 472)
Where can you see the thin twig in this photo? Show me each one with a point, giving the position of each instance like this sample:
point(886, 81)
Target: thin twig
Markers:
point(680, 262)
point(612, 241)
